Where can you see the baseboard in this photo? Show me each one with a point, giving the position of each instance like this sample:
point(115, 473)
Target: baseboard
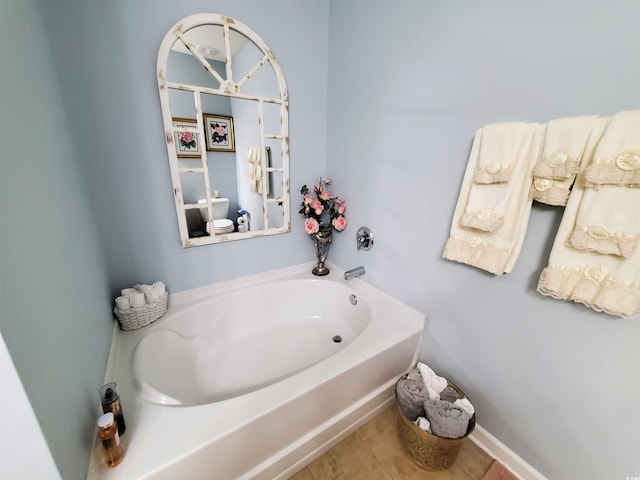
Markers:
point(498, 450)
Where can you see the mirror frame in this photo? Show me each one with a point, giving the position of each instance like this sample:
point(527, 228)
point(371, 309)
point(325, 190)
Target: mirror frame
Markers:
point(231, 88)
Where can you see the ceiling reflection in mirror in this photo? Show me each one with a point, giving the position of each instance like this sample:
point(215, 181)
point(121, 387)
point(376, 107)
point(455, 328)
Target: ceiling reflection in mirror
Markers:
point(225, 114)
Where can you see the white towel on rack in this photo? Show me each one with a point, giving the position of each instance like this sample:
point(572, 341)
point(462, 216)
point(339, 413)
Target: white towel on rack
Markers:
point(496, 252)
point(605, 283)
point(487, 204)
point(255, 169)
point(616, 160)
point(562, 149)
point(499, 151)
point(608, 221)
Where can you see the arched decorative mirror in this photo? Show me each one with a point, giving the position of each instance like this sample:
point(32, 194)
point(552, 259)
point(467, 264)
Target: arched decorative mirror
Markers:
point(225, 111)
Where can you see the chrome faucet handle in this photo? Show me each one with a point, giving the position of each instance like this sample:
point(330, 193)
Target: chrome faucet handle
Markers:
point(364, 239)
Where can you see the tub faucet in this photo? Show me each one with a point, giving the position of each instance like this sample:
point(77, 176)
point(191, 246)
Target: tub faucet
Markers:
point(354, 272)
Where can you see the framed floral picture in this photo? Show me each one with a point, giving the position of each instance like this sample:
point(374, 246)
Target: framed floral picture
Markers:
point(187, 143)
point(219, 133)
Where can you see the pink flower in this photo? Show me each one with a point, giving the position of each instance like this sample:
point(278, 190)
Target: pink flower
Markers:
point(342, 207)
point(317, 206)
point(311, 226)
point(307, 199)
point(339, 223)
point(325, 195)
point(186, 137)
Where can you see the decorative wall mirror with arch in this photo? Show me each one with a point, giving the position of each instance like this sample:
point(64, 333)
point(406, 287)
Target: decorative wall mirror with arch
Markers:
point(225, 111)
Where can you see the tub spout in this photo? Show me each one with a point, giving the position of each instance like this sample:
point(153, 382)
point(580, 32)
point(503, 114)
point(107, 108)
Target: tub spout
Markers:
point(354, 272)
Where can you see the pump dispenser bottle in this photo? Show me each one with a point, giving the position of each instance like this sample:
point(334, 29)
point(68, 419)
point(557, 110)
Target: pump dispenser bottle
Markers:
point(111, 403)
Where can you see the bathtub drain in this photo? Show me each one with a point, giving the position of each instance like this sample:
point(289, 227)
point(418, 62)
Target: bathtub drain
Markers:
point(337, 339)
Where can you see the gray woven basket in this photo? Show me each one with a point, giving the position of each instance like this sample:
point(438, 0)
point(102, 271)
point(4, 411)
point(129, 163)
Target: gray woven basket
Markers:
point(138, 317)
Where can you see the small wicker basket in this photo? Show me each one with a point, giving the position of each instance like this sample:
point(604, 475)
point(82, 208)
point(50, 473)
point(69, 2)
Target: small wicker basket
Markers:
point(138, 317)
point(429, 451)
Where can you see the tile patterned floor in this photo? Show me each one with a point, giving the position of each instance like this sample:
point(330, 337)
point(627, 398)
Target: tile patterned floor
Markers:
point(374, 452)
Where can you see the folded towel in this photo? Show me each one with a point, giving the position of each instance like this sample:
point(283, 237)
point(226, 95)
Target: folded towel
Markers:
point(559, 161)
point(423, 424)
point(616, 160)
point(605, 283)
point(498, 151)
point(608, 221)
point(564, 143)
point(411, 395)
point(487, 204)
point(551, 191)
point(465, 405)
point(447, 420)
point(495, 252)
point(430, 379)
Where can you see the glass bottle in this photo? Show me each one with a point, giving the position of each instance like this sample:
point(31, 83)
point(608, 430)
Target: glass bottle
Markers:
point(108, 434)
point(111, 403)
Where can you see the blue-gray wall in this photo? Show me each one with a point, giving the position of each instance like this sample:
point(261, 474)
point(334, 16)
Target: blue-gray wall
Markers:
point(409, 83)
point(385, 97)
point(54, 292)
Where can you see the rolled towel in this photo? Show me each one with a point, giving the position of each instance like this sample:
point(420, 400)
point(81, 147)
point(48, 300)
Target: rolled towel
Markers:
point(447, 420)
point(433, 395)
point(125, 292)
point(431, 379)
point(423, 424)
point(465, 404)
point(148, 292)
point(449, 394)
point(158, 289)
point(415, 375)
point(411, 395)
point(137, 299)
point(123, 303)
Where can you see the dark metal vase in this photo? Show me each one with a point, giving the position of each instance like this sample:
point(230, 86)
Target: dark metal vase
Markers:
point(321, 243)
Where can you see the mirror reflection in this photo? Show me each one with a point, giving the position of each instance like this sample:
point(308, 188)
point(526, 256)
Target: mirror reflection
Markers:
point(225, 113)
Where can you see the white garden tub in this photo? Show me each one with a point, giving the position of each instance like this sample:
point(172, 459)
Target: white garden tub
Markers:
point(256, 377)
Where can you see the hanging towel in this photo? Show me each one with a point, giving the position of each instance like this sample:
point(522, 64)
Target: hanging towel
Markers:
point(498, 151)
point(496, 252)
point(608, 221)
point(616, 160)
point(605, 283)
point(255, 170)
point(487, 203)
point(562, 149)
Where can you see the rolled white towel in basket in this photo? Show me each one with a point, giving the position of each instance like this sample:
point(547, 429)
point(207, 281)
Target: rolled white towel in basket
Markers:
point(136, 299)
point(123, 303)
point(152, 293)
point(431, 380)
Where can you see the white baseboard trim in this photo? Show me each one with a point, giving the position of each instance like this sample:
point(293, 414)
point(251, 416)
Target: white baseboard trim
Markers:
point(498, 450)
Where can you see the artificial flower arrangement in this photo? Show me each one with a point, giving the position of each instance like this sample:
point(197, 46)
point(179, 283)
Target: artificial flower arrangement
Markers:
point(322, 210)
